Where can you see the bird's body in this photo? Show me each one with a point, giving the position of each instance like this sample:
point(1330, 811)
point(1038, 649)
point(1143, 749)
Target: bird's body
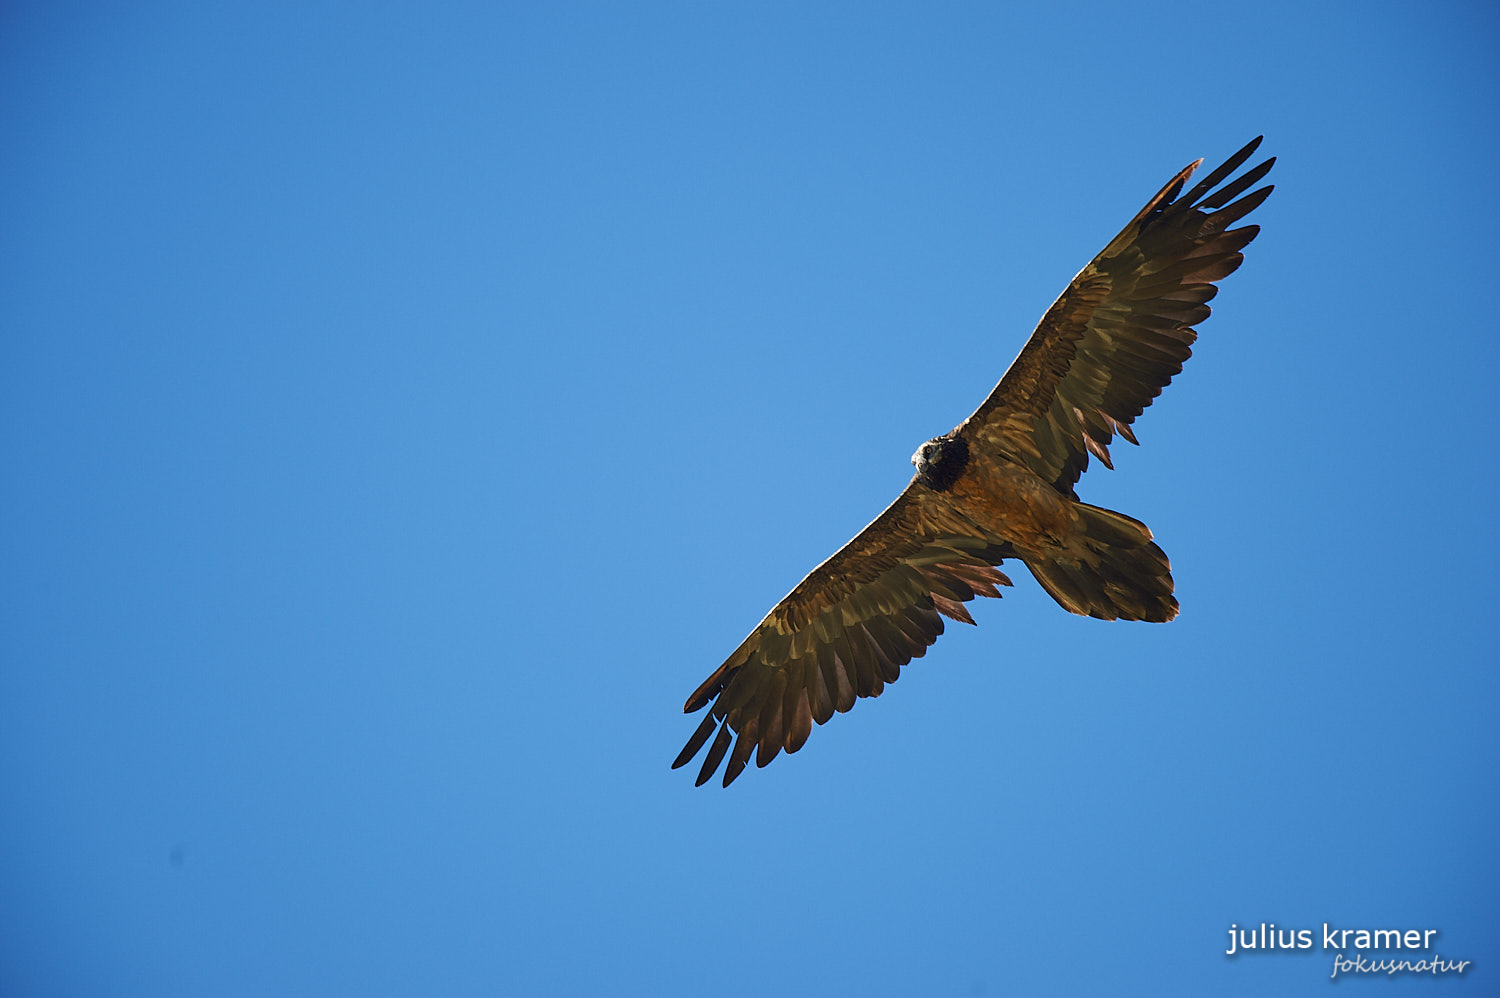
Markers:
point(1000, 485)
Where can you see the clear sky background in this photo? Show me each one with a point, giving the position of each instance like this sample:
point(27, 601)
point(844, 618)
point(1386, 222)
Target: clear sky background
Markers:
point(403, 407)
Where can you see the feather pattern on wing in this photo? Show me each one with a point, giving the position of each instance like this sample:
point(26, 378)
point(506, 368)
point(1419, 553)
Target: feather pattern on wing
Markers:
point(844, 632)
point(1122, 329)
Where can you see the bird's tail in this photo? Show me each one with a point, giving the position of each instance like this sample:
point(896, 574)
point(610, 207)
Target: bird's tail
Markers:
point(1110, 569)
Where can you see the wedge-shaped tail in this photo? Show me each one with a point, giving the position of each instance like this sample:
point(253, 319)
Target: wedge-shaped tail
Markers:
point(1111, 570)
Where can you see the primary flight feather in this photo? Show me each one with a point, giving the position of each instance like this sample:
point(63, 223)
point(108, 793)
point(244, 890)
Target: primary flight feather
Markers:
point(1000, 485)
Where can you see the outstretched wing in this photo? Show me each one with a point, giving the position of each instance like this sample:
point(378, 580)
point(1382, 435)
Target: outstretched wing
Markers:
point(844, 632)
point(1122, 329)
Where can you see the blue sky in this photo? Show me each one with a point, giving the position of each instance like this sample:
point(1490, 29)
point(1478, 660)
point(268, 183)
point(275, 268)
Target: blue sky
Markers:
point(404, 407)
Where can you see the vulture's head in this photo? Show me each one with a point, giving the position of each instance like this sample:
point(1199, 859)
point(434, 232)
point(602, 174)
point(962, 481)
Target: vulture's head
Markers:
point(941, 460)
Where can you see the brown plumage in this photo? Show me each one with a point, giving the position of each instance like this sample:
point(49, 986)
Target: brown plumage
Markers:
point(999, 486)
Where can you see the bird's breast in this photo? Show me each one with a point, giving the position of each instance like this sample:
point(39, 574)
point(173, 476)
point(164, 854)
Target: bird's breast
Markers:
point(1013, 504)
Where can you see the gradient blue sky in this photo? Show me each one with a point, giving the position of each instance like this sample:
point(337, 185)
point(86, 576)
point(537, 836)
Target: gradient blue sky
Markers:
point(403, 407)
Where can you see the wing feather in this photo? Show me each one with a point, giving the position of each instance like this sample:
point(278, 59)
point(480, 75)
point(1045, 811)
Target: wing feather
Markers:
point(715, 753)
point(844, 632)
point(1123, 328)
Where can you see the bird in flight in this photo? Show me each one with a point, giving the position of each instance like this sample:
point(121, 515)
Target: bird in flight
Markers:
point(1000, 485)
